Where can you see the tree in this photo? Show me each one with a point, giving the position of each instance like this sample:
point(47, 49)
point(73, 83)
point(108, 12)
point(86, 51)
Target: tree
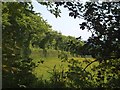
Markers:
point(20, 25)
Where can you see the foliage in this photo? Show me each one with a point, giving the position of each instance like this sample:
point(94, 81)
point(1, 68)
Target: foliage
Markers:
point(103, 21)
point(74, 77)
point(77, 77)
point(54, 40)
point(20, 26)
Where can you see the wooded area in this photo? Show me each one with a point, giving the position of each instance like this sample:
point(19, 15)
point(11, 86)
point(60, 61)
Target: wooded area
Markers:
point(28, 40)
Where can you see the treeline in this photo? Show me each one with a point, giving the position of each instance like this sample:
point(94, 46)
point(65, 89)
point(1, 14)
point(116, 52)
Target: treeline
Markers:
point(54, 40)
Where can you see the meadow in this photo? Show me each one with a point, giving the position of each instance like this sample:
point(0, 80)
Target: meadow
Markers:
point(45, 68)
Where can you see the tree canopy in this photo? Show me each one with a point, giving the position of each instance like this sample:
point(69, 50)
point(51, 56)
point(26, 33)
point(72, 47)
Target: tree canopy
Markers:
point(101, 19)
point(22, 27)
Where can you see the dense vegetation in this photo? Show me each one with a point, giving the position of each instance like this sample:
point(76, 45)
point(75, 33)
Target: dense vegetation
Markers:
point(23, 30)
point(103, 20)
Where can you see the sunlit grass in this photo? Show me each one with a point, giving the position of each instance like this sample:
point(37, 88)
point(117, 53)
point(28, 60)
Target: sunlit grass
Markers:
point(51, 60)
point(47, 66)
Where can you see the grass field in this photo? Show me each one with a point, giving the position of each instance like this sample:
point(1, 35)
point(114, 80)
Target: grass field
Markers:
point(50, 61)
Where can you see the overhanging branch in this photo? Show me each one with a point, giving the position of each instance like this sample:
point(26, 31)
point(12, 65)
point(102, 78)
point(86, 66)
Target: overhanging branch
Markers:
point(90, 64)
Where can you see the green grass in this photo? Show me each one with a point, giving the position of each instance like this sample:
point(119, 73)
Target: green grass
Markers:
point(47, 66)
point(50, 61)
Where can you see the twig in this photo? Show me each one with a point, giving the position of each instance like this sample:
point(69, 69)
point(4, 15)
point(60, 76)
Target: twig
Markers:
point(90, 64)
